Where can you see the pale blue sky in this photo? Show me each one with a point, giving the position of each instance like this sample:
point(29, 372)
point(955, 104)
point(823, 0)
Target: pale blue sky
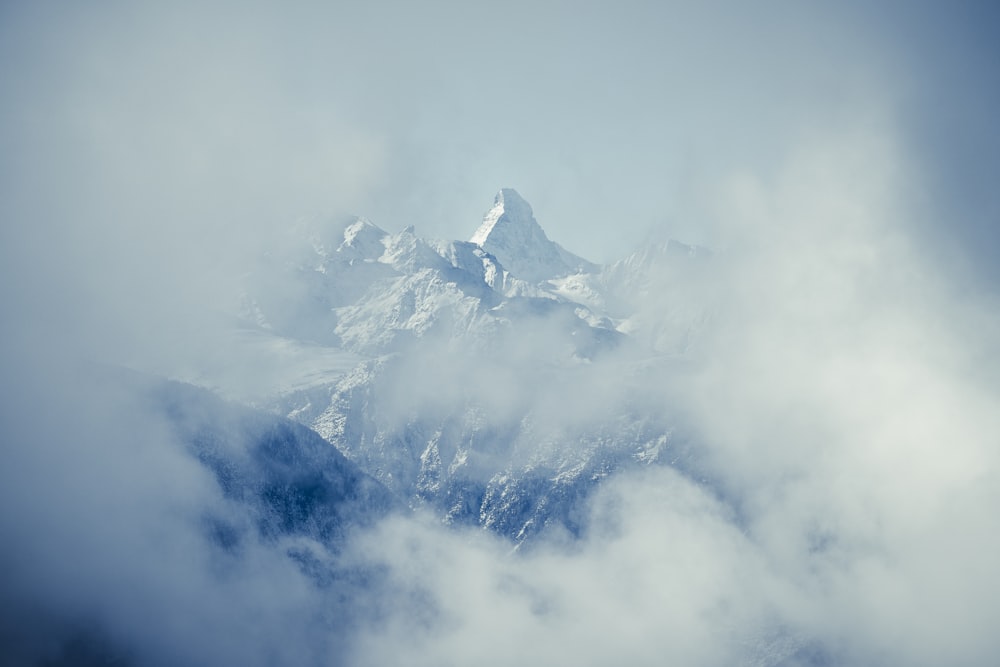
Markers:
point(610, 118)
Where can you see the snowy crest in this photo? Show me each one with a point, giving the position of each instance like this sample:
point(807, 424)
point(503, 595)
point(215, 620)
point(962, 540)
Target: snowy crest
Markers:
point(509, 210)
point(511, 234)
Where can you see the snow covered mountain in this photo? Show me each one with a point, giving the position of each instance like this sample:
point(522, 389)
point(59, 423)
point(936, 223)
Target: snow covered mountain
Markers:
point(355, 286)
point(510, 233)
point(471, 356)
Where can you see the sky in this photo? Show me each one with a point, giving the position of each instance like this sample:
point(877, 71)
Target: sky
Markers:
point(227, 120)
point(838, 158)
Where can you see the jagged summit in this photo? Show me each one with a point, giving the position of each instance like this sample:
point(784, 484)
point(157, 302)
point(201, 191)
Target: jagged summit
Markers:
point(511, 234)
point(509, 209)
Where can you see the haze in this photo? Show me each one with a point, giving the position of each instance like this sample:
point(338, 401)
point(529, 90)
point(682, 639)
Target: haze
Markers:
point(839, 160)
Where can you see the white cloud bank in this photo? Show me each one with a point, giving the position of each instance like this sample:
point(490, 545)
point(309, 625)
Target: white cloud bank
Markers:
point(845, 395)
point(849, 430)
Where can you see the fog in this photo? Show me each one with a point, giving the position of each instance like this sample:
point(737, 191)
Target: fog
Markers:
point(846, 433)
point(841, 393)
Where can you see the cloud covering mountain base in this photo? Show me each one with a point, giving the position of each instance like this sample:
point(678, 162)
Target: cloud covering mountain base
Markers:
point(842, 509)
point(825, 383)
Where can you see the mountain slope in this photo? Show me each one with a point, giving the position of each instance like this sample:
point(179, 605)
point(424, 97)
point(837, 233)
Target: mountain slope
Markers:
point(510, 233)
point(280, 473)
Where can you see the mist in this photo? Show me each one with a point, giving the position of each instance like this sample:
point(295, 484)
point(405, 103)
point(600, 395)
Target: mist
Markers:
point(826, 382)
point(840, 508)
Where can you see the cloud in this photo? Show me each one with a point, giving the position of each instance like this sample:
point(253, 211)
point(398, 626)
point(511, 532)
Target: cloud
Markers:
point(147, 155)
point(841, 507)
point(655, 581)
point(843, 395)
point(105, 542)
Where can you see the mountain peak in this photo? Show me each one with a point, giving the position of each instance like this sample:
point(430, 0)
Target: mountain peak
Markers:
point(511, 234)
point(509, 208)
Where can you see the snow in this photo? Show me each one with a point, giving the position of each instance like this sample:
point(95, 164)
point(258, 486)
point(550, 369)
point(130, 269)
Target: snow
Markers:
point(510, 233)
point(527, 315)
